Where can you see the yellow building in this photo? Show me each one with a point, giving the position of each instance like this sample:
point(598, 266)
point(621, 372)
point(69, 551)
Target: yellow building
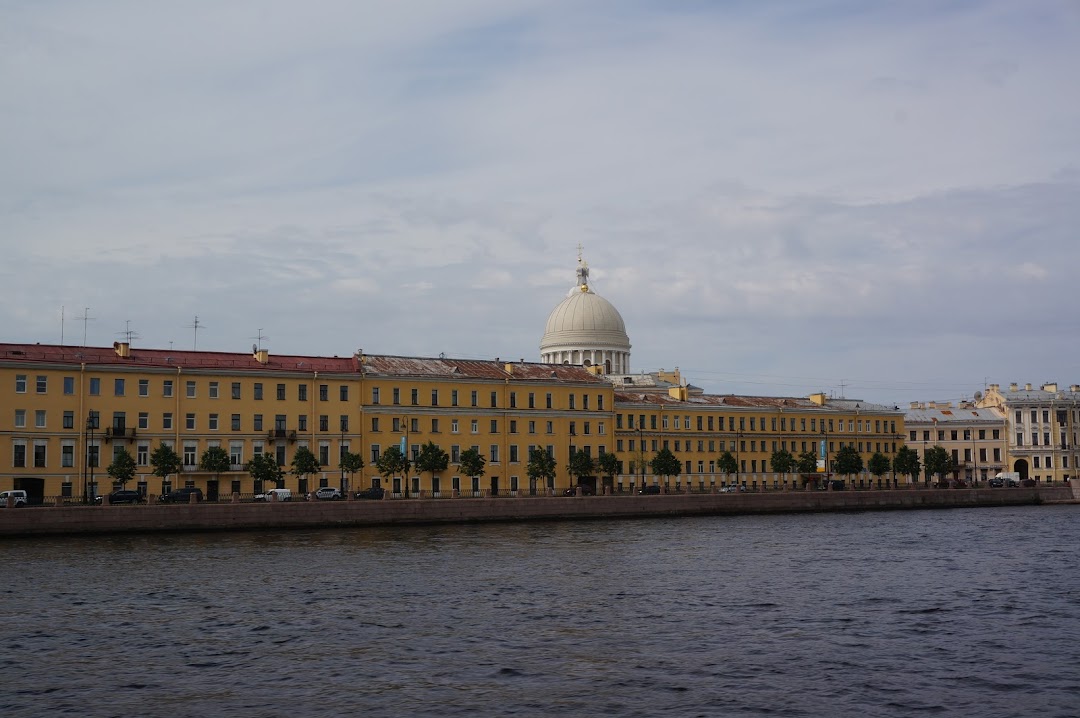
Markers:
point(66, 405)
point(66, 411)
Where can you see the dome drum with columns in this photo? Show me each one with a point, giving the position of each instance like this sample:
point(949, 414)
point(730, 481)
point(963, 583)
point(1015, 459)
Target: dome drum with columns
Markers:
point(585, 329)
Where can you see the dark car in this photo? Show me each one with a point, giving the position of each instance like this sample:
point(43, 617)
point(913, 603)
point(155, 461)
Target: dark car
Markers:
point(582, 490)
point(181, 496)
point(651, 489)
point(996, 483)
point(375, 492)
point(123, 496)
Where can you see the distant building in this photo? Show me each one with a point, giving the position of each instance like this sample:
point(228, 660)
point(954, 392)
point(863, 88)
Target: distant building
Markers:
point(973, 436)
point(1041, 428)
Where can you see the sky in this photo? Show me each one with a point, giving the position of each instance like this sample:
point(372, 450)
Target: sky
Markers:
point(875, 200)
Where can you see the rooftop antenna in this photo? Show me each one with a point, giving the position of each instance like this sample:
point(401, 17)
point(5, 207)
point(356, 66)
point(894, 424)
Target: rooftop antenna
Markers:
point(195, 325)
point(128, 332)
point(61, 325)
point(259, 338)
point(85, 318)
point(842, 385)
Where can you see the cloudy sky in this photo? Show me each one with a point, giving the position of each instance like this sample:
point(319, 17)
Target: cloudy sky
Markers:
point(880, 200)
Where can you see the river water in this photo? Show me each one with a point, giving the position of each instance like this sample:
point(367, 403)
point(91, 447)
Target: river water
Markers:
point(955, 613)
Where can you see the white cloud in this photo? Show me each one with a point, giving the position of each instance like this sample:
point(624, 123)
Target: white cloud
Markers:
point(789, 191)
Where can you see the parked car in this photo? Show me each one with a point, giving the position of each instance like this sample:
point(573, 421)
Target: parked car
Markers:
point(650, 489)
point(18, 494)
point(733, 489)
point(1028, 483)
point(275, 495)
point(997, 483)
point(181, 496)
point(327, 493)
point(375, 492)
point(123, 496)
point(582, 490)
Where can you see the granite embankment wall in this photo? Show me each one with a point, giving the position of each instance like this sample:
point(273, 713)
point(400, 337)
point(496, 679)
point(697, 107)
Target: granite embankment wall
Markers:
point(37, 521)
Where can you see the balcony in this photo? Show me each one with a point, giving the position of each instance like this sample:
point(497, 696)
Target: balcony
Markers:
point(118, 432)
point(281, 434)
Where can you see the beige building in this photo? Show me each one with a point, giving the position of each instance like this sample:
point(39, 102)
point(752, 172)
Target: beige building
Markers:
point(974, 436)
point(1041, 428)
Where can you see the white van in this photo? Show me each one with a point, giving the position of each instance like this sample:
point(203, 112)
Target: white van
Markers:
point(17, 494)
point(275, 495)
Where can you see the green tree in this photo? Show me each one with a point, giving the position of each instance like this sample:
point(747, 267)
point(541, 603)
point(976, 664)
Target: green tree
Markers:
point(122, 468)
point(807, 463)
point(940, 462)
point(264, 468)
point(608, 465)
point(541, 468)
point(581, 464)
point(782, 461)
point(350, 463)
point(472, 463)
point(164, 462)
point(727, 463)
point(847, 461)
point(879, 464)
point(304, 463)
point(391, 463)
point(665, 464)
point(432, 459)
point(907, 463)
point(215, 460)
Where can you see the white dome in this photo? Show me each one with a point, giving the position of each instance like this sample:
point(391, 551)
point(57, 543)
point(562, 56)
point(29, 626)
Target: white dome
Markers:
point(585, 317)
point(586, 329)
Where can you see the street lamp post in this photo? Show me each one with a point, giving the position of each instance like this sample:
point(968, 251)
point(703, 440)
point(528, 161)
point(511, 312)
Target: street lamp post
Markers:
point(738, 461)
point(641, 452)
point(91, 424)
point(341, 462)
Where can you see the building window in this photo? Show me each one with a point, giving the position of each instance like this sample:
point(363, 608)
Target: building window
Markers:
point(343, 392)
point(414, 397)
point(257, 422)
point(69, 419)
point(213, 422)
point(493, 453)
point(324, 392)
point(374, 423)
point(324, 422)
point(475, 426)
point(344, 422)
point(213, 390)
point(281, 392)
point(258, 391)
point(453, 397)
point(494, 426)
point(434, 426)
point(39, 419)
point(67, 456)
point(513, 400)
point(301, 392)
point(39, 454)
point(513, 453)
point(18, 455)
point(166, 420)
point(473, 398)
point(95, 387)
point(189, 422)
point(236, 453)
point(234, 422)
point(279, 422)
point(550, 428)
point(301, 423)
point(42, 384)
point(532, 400)
point(513, 426)
point(453, 426)
point(374, 395)
point(189, 454)
point(532, 427)
point(190, 389)
point(20, 383)
point(69, 385)
point(434, 397)
point(573, 401)
point(236, 390)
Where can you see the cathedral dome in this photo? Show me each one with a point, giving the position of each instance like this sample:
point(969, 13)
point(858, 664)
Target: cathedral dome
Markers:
point(586, 329)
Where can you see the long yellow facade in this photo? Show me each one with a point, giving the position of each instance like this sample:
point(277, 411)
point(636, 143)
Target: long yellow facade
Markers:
point(59, 406)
